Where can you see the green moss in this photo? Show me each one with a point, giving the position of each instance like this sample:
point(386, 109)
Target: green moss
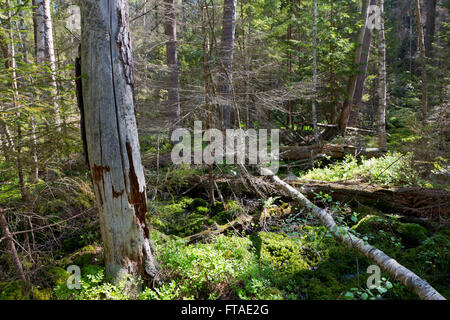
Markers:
point(217, 207)
point(412, 233)
point(82, 257)
point(43, 294)
point(281, 252)
point(432, 257)
point(20, 290)
point(57, 275)
point(232, 210)
point(192, 224)
point(178, 219)
point(16, 290)
point(198, 202)
point(373, 223)
point(202, 210)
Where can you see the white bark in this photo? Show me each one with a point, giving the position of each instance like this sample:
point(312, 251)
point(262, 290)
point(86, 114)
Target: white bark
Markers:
point(44, 49)
point(112, 138)
point(382, 91)
point(419, 286)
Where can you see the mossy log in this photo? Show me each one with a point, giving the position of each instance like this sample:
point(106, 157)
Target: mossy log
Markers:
point(419, 286)
point(239, 223)
point(334, 151)
point(413, 202)
point(416, 202)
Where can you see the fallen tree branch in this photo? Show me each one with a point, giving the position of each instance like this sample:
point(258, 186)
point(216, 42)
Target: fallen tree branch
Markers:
point(241, 221)
point(419, 202)
point(419, 286)
point(334, 151)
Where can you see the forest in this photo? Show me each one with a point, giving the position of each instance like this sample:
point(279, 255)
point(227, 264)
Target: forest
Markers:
point(224, 150)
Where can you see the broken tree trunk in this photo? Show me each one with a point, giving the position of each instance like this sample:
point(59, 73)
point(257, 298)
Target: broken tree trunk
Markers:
point(419, 286)
point(112, 138)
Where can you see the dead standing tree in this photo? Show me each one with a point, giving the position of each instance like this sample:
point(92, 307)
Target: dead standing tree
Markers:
point(112, 138)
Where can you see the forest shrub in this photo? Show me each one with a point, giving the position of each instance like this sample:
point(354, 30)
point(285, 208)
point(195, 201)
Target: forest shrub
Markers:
point(412, 233)
point(391, 169)
point(206, 269)
point(281, 252)
point(94, 287)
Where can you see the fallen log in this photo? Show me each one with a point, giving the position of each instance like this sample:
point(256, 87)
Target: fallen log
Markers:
point(419, 286)
point(433, 204)
point(334, 151)
point(241, 221)
point(417, 202)
point(287, 153)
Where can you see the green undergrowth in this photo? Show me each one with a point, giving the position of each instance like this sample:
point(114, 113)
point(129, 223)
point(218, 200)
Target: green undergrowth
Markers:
point(188, 216)
point(294, 258)
point(391, 169)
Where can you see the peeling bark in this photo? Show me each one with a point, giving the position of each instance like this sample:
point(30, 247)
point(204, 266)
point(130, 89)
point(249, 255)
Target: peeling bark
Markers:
point(112, 139)
point(408, 278)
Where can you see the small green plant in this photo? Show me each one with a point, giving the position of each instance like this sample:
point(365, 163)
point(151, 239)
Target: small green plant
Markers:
point(372, 293)
point(391, 169)
point(95, 287)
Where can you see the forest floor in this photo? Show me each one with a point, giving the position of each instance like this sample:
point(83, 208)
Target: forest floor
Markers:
point(251, 243)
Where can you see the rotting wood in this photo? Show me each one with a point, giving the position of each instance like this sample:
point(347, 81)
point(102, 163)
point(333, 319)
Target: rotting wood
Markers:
point(334, 151)
point(432, 204)
point(112, 139)
point(419, 202)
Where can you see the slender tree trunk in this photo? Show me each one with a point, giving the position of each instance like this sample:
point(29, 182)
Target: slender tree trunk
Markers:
point(112, 138)
point(18, 144)
point(351, 86)
point(44, 48)
point(24, 46)
point(50, 56)
point(39, 30)
point(314, 109)
point(206, 65)
point(172, 62)
point(430, 26)
point(422, 60)
point(382, 91)
point(361, 77)
point(206, 82)
point(11, 247)
point(226, 54)
point(290, 118)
